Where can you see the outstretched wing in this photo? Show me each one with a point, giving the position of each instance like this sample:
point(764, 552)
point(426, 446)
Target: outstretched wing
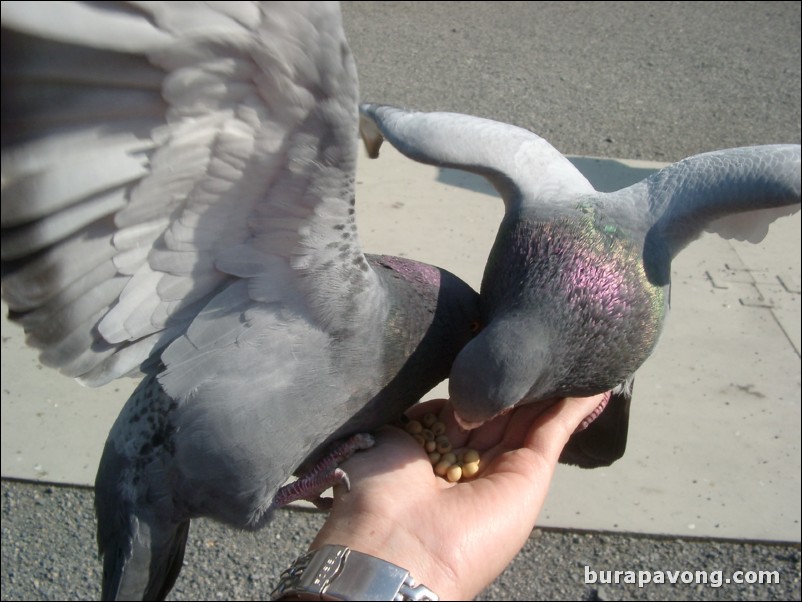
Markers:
point(736, 193)
point(522, 166)
point(155, 154)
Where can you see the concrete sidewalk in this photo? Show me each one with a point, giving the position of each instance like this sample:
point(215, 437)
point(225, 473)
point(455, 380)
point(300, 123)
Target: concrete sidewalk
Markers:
point(714, 445)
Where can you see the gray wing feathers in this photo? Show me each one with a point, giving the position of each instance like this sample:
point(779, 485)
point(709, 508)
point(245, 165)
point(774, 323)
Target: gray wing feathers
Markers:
point(112, 27)
point(227, 171)
point(736, 193)
point(72, 181)
point(522, 166)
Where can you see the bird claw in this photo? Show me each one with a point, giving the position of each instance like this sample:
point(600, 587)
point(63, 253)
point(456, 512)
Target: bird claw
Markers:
point(595, 413)
point(326, 473)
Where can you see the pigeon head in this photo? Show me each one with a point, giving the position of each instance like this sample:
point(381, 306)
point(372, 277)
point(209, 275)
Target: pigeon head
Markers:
point(495, 371)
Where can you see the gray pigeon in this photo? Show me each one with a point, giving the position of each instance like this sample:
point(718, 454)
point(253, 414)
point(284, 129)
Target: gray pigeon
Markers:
point(576, 286)
point(178, 201)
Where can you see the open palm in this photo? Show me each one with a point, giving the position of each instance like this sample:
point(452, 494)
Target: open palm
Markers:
point(454, 537)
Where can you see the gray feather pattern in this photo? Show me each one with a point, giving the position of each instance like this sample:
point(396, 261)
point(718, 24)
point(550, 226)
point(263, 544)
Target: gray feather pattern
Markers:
point(203, 233)
point(576, 286)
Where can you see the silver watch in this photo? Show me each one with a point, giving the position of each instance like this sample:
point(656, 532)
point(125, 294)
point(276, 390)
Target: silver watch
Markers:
point(340, 573)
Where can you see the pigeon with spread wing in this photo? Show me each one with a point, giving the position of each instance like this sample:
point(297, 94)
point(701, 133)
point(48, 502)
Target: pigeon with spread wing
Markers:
point(178, 201)
point(576, 286)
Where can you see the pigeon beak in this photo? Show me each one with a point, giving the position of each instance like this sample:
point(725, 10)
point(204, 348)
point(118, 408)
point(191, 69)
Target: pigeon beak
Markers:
point(466, 425)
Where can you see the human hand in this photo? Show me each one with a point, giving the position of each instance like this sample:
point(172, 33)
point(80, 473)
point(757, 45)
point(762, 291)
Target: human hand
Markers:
point(455, 538)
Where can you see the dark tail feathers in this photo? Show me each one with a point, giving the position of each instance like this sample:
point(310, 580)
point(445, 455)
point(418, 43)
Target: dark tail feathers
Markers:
point(146, 567)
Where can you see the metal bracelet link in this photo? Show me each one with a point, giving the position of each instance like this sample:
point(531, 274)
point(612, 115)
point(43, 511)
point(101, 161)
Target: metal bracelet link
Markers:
point(339, 573)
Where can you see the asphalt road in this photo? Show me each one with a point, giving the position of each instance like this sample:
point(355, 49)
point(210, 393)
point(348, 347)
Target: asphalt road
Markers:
point(649, 80)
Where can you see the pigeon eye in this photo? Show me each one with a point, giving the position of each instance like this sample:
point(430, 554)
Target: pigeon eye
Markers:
point(475, 326)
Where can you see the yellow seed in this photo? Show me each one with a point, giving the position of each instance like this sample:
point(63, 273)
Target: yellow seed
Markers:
point(427, 434)
point(413, 427)
point(434, 457)
point(428, 420)
point(443, 444)
point(449, 457)
point(470, 469)
point(470, 456)
point(442, 467)
point(454, 473)
point(419, 438)
point(438, 428)
point(430, 446)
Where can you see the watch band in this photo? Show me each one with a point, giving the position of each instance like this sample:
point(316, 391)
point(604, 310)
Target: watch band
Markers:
point(340, 573)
